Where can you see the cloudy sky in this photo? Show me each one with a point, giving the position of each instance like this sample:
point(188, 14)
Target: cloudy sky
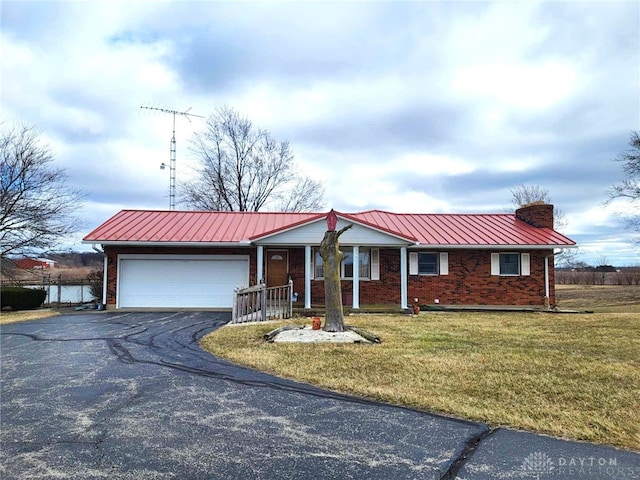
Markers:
point(404, 106)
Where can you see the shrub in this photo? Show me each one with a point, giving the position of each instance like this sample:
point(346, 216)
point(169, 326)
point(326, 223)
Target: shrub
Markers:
point(21, 298)
point(95, 279)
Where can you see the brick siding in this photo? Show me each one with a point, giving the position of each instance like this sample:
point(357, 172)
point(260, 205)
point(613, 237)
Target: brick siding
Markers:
point(469, 281)
point(537, 214)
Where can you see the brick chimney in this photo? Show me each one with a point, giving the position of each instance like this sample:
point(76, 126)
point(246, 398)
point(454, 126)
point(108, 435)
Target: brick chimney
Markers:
point(538, 214)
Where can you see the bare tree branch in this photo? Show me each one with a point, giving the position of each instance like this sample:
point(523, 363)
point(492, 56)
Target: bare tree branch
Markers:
point(36, 205)
point(526, 194)
point(242, 168)
point(629, 187)
point(305, 196)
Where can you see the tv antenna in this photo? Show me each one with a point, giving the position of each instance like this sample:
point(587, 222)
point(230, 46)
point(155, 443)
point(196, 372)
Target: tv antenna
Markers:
point(172, 154)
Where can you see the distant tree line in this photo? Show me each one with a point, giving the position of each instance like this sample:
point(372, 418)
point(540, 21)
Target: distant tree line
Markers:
point(77, 259)
point(600, 275)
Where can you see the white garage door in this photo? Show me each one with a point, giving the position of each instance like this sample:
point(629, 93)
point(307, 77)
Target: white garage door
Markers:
point(168, 281)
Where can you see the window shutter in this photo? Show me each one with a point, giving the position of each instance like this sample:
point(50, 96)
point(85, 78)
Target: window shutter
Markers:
point(413, 263)
point(313, 264)
point(444, 263)
point(495, 264)
point(525, 264)
point(375, 264)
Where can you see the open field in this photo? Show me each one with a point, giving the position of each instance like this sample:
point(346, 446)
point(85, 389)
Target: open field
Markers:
point(599, 298)
point(569, 375)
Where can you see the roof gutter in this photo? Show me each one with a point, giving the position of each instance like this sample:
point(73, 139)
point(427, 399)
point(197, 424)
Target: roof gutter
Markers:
point(248, 243)
point(493, 247)
point(135, 243)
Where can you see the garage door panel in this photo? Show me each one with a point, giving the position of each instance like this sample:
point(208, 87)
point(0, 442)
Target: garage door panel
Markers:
point(180, 283)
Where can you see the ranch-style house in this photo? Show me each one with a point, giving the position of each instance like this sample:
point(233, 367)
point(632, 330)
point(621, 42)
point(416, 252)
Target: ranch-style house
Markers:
point(189, 259)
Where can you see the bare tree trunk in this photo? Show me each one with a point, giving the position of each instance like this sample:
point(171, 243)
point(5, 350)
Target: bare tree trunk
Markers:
point(332, 256)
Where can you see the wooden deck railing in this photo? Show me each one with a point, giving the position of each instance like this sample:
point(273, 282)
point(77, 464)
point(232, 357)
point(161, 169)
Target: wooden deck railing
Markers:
point(260, 303)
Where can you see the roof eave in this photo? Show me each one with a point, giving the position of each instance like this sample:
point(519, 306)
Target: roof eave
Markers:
point(491, 247)
point(248, 243)
point(136, 243)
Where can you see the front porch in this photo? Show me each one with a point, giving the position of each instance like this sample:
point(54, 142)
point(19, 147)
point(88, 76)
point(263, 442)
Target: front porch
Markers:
point(373, 278)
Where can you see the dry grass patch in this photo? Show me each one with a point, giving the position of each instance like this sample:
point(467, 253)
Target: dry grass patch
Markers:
point(13, 317)
point(576, 376)
point(599, 298)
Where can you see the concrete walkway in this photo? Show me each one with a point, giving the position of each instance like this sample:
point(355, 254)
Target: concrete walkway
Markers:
point(132, 396)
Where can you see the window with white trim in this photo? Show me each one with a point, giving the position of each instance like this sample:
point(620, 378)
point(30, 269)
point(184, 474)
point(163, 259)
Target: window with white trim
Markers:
point(428, 263)
point(346, 266)
point(510, 264)
point(318, 265)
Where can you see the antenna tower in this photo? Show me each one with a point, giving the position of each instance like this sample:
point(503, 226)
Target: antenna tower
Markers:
point(172, 154)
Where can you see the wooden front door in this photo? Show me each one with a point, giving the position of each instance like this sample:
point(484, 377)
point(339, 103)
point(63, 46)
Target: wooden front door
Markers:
point(277, 267)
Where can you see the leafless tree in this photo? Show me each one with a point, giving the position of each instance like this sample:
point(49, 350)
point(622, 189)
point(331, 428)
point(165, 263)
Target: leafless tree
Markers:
point(525, 194)
point(332, 257)
point(36, 205)
point(570, 258)
point(242, 168)
point(629, 187)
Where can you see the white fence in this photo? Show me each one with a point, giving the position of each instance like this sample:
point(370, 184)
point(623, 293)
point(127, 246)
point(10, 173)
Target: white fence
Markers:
point(260, 303)
point(65, 293)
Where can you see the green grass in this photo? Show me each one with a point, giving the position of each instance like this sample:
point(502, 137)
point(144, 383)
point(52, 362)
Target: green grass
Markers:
point(574, 375)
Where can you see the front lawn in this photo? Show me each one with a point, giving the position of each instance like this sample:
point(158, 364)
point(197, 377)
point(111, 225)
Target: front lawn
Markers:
point(24, 315)
point(570, 375)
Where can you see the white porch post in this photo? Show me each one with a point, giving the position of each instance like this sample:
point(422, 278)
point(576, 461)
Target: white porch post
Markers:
point(260, 261)
point(403, 277)
point(307, 277)
point(356, 277)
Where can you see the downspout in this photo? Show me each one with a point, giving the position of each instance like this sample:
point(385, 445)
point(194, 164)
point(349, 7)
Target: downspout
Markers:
point(547, 287)
point(104, 274)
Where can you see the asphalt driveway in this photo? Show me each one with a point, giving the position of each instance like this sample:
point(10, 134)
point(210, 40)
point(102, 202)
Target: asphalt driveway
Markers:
point(132, 395)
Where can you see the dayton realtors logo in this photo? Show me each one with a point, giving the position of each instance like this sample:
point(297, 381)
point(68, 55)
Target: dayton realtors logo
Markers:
point(539, 465)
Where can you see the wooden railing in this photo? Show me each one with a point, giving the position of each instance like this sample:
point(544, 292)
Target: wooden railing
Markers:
point(261, 303)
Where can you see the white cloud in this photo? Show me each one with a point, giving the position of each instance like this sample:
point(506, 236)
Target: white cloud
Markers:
point(530, 87)
point(410, 106)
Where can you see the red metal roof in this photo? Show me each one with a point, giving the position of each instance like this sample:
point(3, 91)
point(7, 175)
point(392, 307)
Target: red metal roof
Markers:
point(151, 226)
point(191, 227)
point(465, 229)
